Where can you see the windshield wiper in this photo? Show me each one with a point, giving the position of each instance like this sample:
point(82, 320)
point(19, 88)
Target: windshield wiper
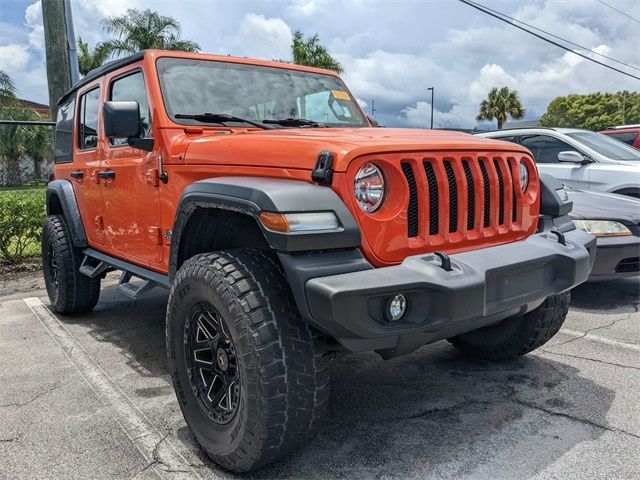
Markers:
point(221, 118)
point(295, 122)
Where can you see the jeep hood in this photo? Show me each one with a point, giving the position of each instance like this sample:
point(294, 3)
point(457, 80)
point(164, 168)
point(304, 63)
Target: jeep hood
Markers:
point(299, 148)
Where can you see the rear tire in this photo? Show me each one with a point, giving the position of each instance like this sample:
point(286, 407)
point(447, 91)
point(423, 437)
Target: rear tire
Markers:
point(69, 290)
point(271, 390)
point(517, 335)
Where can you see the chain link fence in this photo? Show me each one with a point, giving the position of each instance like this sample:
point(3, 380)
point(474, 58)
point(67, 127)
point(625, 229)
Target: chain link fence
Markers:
point(24, 172)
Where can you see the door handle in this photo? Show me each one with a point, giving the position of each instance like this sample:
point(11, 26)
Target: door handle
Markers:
point(107, 174)
point(77, 174)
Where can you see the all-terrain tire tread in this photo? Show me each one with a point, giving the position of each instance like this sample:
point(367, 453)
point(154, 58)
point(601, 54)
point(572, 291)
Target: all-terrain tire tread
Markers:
point(536, 328)
point(78, 293)
point(292, 364)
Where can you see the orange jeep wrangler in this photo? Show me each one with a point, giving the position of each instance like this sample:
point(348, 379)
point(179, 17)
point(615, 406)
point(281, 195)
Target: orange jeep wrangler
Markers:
point(288, 229)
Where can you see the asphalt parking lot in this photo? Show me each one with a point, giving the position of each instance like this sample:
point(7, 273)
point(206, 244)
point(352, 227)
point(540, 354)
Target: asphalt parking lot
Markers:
point(90, 397)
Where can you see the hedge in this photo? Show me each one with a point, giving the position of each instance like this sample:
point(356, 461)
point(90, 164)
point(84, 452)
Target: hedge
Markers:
point(22, 212)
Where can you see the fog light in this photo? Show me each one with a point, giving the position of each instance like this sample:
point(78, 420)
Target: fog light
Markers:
point(397, 307)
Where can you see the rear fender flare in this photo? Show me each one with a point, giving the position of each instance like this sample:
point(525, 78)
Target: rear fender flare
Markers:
point(60, 196)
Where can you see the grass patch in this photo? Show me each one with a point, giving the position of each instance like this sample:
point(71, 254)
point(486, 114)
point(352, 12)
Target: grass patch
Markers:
point(22, 211)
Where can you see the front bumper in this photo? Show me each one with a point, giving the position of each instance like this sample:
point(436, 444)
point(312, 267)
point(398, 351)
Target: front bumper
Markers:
point(616, 257)
point(483, 287)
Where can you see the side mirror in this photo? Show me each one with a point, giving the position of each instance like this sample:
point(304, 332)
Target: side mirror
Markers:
point(373, 121)
point(122, 120)
point(572, 157)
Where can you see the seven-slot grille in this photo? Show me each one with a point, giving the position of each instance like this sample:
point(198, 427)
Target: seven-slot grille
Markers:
point(455, 188)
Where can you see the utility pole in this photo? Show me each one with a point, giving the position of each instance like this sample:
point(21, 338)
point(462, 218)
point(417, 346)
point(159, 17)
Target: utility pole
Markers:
point(373, 108)
point(60, 43)
point(432, 90)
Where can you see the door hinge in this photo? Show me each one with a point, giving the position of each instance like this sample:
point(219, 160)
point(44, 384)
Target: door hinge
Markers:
point(152, 177)
point(155, 234)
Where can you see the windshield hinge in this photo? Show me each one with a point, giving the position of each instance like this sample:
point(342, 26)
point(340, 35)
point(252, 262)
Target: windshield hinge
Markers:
point(322, 172)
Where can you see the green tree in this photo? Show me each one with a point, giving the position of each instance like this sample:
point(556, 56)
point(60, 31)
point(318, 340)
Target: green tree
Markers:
point(594, 111)
point(312, 53)
point(7, 89)
point(87, 59)
point(140, 30)
point(500, 103)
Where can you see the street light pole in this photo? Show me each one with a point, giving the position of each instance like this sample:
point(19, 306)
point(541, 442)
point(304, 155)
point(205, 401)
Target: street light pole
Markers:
point(432, 90)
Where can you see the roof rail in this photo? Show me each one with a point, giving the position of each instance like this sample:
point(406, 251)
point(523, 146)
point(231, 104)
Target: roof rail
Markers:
point(620, 127)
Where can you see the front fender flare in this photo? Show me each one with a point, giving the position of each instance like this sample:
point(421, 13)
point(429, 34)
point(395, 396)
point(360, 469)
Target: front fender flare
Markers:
point(253, 195)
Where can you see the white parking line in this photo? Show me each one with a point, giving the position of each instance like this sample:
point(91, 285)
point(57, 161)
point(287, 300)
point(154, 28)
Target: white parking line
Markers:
point(597, 338)
point(154, 446)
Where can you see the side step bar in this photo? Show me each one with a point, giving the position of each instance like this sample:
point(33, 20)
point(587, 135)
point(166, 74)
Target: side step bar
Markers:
point(96, 263)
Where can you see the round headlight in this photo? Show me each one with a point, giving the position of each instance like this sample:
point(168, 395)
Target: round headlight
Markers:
point(524, 177)
point(368, 187)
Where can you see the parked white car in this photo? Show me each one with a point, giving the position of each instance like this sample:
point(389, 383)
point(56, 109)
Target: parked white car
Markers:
point(579, 158)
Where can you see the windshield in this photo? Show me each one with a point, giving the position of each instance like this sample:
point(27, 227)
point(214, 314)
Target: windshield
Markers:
point(608, 147)
point(254, 92)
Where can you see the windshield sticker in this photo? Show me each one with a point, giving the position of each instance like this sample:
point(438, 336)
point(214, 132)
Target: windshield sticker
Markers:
point(340, 95)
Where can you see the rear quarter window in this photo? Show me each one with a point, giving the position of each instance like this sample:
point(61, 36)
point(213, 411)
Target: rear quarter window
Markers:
point(64, 132)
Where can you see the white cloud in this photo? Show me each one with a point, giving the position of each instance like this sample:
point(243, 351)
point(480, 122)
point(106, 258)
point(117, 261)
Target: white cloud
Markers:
point(13, 58)
point(33, 21)
point(262, 37)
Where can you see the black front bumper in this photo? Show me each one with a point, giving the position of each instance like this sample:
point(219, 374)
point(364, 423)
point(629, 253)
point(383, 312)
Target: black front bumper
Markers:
point(483, 287)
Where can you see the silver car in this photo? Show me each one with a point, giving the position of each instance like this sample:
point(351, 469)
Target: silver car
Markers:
point(579, 158)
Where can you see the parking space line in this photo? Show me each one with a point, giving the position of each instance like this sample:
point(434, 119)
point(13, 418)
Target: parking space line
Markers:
point(154, 446)
point(597, 338)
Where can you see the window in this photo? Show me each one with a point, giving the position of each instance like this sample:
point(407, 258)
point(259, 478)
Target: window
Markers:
point(606, 146)
point(545, 149)
point(511, 139)
point(627, 138)
point(64, 131)
point(88, 120)
point(131, 89)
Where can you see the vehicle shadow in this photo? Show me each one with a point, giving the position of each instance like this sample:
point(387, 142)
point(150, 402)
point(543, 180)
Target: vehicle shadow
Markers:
point(431, 414)
point(607, 296)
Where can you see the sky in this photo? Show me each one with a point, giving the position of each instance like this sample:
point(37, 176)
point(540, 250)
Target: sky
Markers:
point(392, 50)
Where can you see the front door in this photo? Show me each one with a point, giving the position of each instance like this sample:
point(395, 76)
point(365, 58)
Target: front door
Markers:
point(545, 149)
point(130, 193)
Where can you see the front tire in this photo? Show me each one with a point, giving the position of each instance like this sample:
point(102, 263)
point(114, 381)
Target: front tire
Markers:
point(250, 376)
point(69, 290)
point(517, 335)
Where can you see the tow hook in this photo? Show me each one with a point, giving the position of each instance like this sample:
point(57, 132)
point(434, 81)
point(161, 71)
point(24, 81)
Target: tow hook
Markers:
point(561, 239)
point(445, 261)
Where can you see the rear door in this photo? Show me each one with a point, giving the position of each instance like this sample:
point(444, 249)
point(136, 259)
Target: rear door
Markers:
point(78, 154)
point(545, 150)
point(130, 195)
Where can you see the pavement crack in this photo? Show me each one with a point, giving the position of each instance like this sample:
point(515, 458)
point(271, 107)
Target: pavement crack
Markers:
point(157, 461)
point(12, 439)
point(32, 399)
point(590, 359)
point(588, 331)
point(583, 421)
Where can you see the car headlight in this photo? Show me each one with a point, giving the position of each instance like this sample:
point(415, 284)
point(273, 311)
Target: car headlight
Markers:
point(524, 177)
point(368, 187)
point(603, 228)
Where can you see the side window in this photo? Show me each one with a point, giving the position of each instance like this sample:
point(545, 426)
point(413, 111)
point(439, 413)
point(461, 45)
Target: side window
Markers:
point(545, 149)
point(627, 138)
point(511, 139)
point(131, 89)
point(64, 131)
point(88, 120)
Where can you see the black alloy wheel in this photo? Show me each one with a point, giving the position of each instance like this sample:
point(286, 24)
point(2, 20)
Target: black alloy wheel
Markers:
point(212, 364)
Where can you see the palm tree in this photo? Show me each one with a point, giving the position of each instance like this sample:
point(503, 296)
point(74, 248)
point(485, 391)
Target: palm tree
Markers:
point(88, 60)
point(139, 30)
point(312, 53)
point(500, 103)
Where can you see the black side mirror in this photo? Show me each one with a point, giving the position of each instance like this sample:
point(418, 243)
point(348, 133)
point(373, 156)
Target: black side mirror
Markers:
point(122, 120)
